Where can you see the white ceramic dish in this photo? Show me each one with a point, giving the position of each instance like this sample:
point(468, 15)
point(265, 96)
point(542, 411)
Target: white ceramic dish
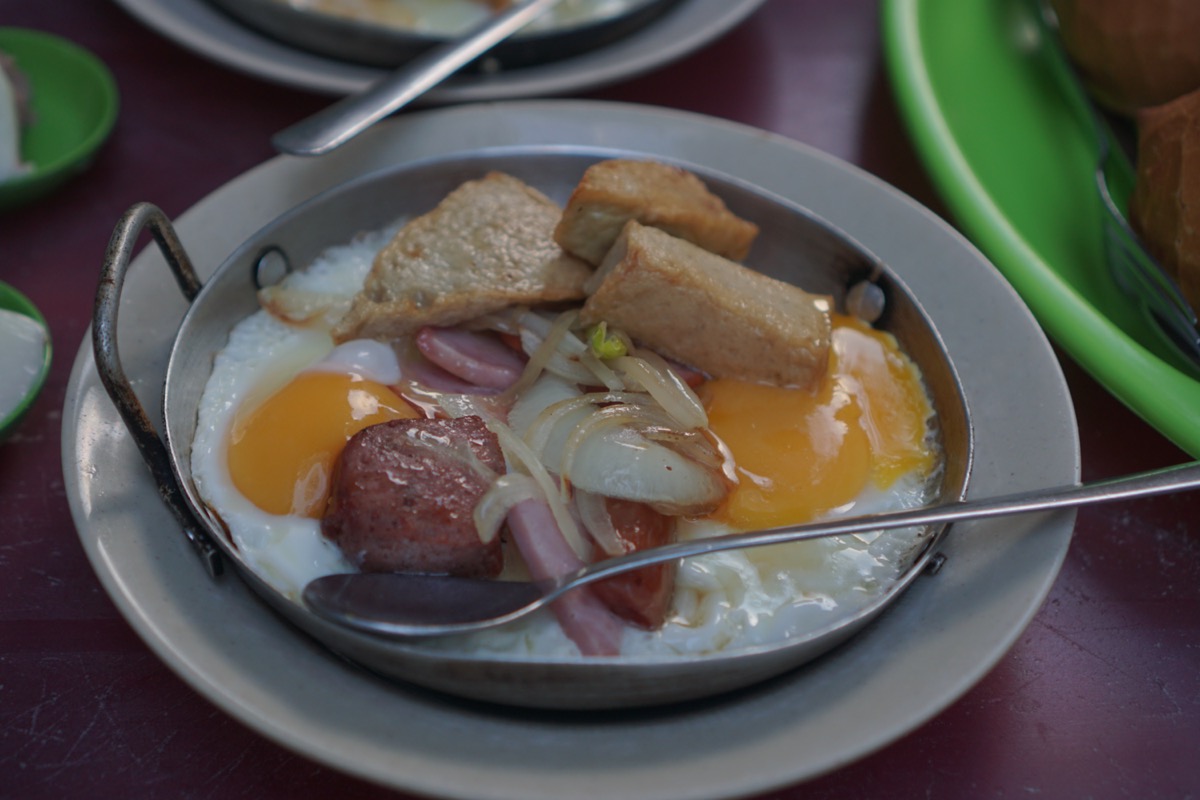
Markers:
point(204, 29)
point(923, 654)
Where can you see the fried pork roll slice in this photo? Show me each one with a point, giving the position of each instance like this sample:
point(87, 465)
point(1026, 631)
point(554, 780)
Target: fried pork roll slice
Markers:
point(709, 312)
point(488, 245)
point(613, 192)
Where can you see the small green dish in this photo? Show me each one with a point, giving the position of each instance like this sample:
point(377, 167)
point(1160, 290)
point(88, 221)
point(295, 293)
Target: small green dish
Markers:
point(14, 301)
point(74, 100)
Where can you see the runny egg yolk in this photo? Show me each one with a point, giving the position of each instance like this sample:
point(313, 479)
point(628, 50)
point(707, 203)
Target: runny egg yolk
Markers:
point(803, 452)
point(282, 452)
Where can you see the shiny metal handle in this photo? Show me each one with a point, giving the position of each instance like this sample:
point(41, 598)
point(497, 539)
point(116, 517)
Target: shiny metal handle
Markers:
point(342, 121)
point(112, 374)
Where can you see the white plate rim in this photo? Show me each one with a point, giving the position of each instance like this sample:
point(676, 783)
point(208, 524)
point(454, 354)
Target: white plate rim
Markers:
point(939, 639)
point(204, 29)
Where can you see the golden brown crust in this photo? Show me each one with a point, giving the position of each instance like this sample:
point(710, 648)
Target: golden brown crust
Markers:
point(488, 245)
point(1165, 207)
point(709, 312)
point(1133, 53)
point(613, 192)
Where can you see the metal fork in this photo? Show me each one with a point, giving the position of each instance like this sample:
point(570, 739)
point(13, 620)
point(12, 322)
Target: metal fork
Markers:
point(1137, 273)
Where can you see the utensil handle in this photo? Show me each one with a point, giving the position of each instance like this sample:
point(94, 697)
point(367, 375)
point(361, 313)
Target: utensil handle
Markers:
point(1178, 478)
point(112, 374)
point(342, 121)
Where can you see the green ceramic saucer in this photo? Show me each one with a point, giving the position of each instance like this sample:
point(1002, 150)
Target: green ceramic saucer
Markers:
point(74, 102)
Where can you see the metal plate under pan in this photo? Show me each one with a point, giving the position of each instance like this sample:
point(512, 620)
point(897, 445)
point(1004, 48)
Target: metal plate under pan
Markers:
point(380, 45)
point(794, 245)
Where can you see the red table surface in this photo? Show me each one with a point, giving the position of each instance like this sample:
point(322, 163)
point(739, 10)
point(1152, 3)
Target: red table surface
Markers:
point(1099, 698)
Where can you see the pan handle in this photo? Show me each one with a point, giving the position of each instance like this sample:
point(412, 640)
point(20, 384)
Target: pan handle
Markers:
point(108, 360)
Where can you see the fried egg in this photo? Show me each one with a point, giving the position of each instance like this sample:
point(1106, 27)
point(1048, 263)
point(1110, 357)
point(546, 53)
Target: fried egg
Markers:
point(860, 442)
point(279, 405)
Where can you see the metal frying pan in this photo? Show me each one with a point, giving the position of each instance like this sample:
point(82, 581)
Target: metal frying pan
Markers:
point(794, 245)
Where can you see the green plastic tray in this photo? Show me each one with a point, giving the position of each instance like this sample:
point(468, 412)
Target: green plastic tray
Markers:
point(1014, 160)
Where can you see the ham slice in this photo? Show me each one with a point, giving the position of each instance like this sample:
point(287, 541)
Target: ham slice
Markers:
point(477, 357)
point(584, 618)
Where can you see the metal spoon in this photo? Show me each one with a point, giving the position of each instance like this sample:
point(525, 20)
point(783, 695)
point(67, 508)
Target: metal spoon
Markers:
point(407, 605)
point(342, 121)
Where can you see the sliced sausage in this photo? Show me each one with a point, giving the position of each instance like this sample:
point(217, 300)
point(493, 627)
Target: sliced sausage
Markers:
point(584, 618)
point(403, 496)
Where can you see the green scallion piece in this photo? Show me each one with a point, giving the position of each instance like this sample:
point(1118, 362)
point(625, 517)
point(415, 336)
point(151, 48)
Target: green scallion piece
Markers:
point(605, 346)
